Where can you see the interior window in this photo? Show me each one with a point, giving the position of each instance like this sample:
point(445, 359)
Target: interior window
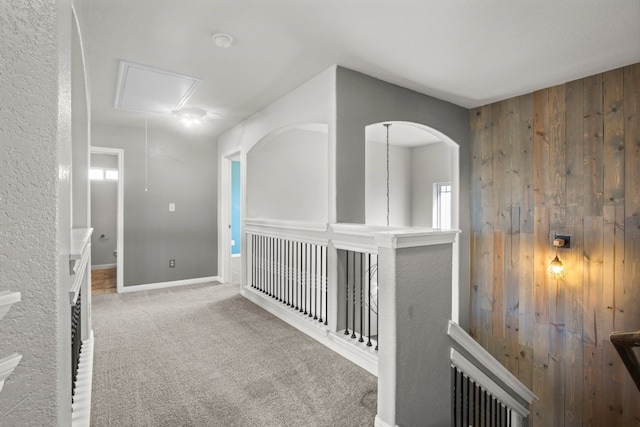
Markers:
point(442, 205)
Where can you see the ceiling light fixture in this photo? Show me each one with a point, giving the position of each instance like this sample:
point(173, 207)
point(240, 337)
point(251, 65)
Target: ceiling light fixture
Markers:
point(190, 116)
point(222, 40)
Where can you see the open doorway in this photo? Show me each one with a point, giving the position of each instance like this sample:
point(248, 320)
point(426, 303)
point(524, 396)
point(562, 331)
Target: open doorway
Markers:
point(236, 221)
point(230, 246)
point(107, 184)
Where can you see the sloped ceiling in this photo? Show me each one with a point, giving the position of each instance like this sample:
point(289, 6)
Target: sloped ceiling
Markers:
point(468, 52)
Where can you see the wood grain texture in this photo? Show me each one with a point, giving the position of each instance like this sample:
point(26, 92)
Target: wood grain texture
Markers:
point(563, 160)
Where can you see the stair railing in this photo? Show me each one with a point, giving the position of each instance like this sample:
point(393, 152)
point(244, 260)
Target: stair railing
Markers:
point(484, 392)
point(625, 342)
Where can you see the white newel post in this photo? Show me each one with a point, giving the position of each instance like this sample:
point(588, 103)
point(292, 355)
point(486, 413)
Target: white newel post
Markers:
point(414, 369)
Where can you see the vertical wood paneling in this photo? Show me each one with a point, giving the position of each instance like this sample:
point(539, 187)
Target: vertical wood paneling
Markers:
point(561, 160)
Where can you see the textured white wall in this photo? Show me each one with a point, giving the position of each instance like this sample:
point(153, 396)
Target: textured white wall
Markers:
point(35, 213)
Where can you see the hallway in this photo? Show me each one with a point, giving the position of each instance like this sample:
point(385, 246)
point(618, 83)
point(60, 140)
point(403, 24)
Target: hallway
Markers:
point(204, 356)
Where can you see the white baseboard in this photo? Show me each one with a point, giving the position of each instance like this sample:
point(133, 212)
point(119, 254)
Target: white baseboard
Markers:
point(365, 358)
point(81, 408)
point(103, 266)
point(380, 423)
point(161, 285)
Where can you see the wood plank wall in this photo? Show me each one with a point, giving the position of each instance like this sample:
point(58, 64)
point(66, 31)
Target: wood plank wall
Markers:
point(563, 160)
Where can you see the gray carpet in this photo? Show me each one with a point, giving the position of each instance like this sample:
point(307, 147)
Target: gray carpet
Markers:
point(203, 355)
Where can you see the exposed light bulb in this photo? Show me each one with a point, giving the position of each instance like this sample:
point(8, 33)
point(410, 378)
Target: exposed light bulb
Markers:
point(556, 268)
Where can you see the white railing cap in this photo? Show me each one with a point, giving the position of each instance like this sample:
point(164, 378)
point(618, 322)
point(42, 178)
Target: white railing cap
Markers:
point(484, 360)
point(414, 237)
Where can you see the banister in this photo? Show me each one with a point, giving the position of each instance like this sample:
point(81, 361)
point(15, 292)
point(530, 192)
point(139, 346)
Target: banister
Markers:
point(624, 342)
point(482, 359)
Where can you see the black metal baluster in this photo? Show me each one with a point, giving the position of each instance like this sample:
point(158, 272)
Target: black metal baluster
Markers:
point(346, 301)
point(259, 284)
point(377, 275)
point(315, 282)
point(286, 272)
point(453, 396)
point(353, 312)
point(465, 417)
point(326, 285)
point(474, 403)
point(310, 279)
point(268, 253)
point(362, 272)
point(253, 260)
point(299, 279)
point(274, 268)
point(280, 270)
point(321, 281)
point(369, 300)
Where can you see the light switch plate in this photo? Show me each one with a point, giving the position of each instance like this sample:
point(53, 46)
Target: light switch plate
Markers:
point(172, 207)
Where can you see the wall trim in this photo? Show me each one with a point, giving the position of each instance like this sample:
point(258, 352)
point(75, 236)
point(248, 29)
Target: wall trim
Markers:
point(102, 266)
point(380, 423)
point(317, 331)
point(162, 285)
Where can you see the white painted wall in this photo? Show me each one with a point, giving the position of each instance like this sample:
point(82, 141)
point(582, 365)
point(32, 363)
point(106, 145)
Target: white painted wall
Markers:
point(429, 164)
point(35, 207)
point(287, 176)
point(312, 102)
point(399, 184)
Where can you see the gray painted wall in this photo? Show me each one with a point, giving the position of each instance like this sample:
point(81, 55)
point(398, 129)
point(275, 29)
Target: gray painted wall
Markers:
point(35, 209)
point(104, 210)
point(181, 170)
point(362, 100)
point(287, 177)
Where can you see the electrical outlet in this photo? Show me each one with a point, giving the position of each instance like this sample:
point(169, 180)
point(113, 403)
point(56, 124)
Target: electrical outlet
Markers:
point(172, 263)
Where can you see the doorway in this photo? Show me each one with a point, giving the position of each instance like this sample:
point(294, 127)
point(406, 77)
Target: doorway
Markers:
point(230, 246)
point(236, 224)
point(106, 174)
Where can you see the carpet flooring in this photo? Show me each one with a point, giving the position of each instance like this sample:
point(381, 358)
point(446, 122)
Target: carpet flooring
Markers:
point(203, 355)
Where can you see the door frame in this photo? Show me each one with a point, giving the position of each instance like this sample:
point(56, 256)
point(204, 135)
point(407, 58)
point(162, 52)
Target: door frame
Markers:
point(224, 218)
point(119, 153)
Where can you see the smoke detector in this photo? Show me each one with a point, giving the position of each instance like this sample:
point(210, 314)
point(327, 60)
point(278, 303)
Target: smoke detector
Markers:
point(222, 40)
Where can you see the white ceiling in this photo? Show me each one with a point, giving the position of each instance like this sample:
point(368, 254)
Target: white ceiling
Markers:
point(468, 52)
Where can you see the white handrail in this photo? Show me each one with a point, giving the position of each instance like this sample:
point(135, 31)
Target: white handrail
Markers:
point(7, 299)
point(483, 362)
point(78, 259)
point(7, 365)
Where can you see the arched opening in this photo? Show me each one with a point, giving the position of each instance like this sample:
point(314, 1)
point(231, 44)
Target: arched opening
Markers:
point(287, 174)
point(423, 184)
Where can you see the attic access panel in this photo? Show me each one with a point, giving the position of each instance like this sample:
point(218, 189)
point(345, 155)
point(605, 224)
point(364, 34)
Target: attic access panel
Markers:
point(150, 90)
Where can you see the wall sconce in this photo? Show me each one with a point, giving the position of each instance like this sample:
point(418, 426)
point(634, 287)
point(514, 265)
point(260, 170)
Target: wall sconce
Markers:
point(556, 268)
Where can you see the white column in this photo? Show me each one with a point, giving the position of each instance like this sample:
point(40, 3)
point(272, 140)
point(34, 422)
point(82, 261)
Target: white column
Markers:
point(414, 374)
